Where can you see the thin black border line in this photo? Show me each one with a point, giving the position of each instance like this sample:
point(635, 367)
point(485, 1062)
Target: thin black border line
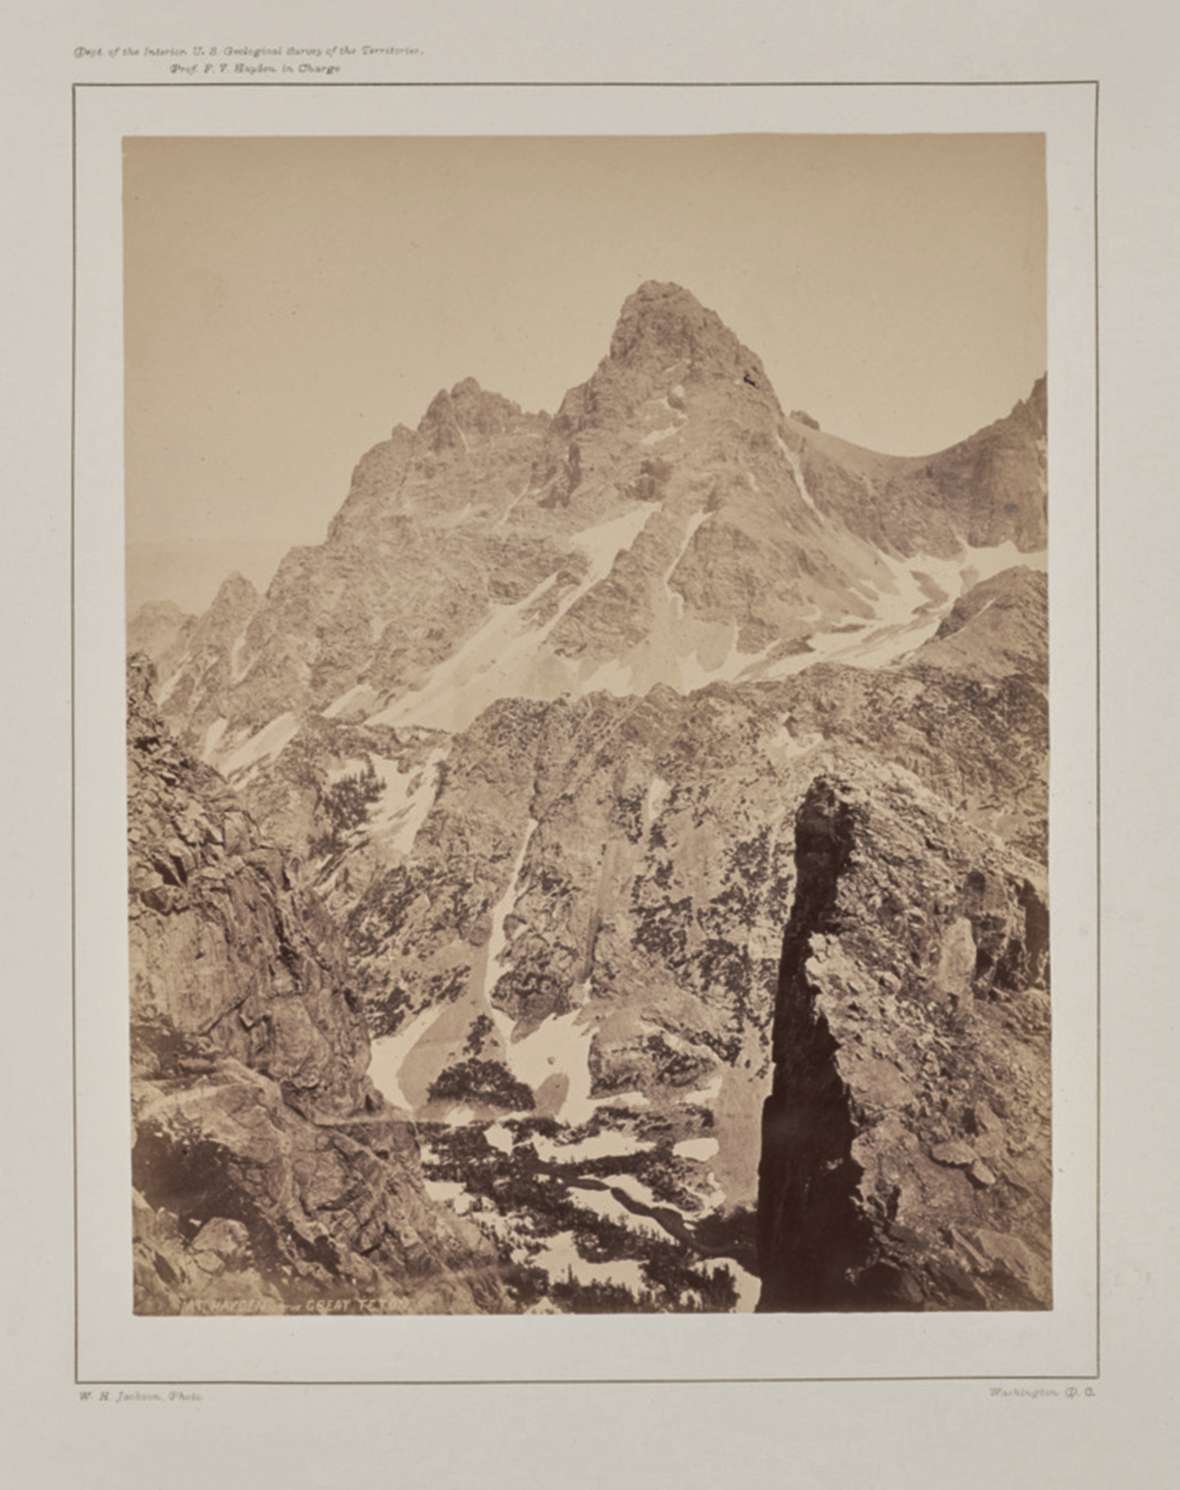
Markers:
point(570, 1381)
point(73, 683)
point(1097, 775)
point(652, 83)
point(589, 1381)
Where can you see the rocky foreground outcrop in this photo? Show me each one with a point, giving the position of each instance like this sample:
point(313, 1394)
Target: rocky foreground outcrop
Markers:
point(269, 1174)
point(905, 1151)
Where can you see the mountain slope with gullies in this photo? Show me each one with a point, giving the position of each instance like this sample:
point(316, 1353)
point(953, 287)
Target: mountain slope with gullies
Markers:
point(566, 943)
point(269, 1174)
point(534, 724)
point(596, 894)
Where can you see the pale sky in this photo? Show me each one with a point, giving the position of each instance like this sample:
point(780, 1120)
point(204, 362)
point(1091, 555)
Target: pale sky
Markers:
point(288, 301)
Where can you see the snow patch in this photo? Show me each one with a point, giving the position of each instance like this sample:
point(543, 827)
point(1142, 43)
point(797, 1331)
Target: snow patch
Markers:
point(704, 1094)
point(236, 671)
point(610, 1208)
point(559, 1046)
point(451, 1192)
point(695, 522)
point(623, 1099)
point(732, 663)
point(360, 697)
point(613, 676)
point(697, 1148)
point(600, 1146)
point(559, 1257)
point(635, 1188)
point(212, 739)
point(498, 939)
point(406, 799)
point(657, 794)
point(796, 472)
point(498, 1137)
point(388, 1054)
point(267, 742)
point(604, 542)
point(349, 767)
point(909, 607)
point(520, 496)
point(506, 657)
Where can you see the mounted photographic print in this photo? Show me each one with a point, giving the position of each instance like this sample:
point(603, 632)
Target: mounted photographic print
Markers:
point(587, 699)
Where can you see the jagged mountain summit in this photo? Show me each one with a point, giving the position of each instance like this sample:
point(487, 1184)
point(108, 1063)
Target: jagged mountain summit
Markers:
point(670, 524)
point(534, 724)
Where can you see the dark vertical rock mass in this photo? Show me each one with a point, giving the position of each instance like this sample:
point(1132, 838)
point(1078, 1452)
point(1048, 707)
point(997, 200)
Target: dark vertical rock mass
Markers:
point(809, 1233)
point(268, 1172)
point(905, 1149)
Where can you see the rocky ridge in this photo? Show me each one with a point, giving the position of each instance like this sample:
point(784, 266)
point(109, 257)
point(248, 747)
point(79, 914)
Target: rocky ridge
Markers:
point(905, 1144)
point(269, 1173)
point(669, 524)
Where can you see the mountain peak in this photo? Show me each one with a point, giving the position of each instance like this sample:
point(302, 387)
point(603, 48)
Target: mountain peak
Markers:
point(467, 409)
point(235, 589)
point(660, 313)
point(668, 321)
point(662, 292)
point(1036, 406)
point(160, 610)
point(233, 605)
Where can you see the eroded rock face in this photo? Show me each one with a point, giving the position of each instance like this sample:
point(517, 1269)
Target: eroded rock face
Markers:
point(905, 1151)
point(269, 1173)
point(641, 843)
point(986, 490)
point(996, 628)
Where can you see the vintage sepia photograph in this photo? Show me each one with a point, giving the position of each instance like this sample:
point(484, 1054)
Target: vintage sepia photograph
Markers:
point(587, 724)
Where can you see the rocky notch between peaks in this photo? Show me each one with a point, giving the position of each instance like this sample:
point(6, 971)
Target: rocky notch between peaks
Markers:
point(268, 1173)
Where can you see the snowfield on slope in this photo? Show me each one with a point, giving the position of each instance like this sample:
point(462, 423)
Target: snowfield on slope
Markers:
point(507, 657)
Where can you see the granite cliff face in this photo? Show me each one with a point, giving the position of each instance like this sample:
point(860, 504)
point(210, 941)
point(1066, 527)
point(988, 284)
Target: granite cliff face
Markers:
point(269, 1173)
point(531, 729)
point(905, 1144)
